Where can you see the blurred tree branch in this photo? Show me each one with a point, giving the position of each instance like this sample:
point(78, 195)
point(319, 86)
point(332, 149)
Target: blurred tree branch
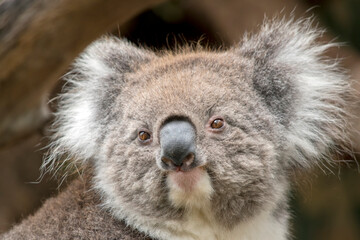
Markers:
point(38, 41)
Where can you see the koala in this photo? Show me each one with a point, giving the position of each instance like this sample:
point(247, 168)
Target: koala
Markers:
point(193, 143)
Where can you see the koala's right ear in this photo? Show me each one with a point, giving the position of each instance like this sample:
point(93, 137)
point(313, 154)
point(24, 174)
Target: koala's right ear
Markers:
point(86, 105)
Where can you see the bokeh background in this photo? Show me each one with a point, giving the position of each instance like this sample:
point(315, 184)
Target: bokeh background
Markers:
point(325, 203)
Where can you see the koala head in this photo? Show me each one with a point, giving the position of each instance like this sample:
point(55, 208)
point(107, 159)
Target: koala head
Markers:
point(197, 130)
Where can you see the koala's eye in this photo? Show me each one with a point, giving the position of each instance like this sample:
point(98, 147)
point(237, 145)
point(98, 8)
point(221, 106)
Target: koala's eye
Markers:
point(144, 136)
point(217, 123)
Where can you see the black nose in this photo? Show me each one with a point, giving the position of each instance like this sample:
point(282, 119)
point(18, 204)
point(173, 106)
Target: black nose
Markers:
point(177, 140)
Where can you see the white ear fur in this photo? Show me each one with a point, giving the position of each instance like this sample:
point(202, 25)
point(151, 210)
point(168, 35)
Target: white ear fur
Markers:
point(319, 123)
point(77, 127)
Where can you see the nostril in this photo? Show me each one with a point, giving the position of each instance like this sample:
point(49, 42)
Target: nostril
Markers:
point(168, 162)
point(185, 164)
point(189, 159)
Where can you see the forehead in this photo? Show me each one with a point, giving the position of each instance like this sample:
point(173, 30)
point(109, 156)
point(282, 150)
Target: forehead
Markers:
point(192, 82)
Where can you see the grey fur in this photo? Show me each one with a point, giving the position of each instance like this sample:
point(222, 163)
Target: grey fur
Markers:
point(283, 105)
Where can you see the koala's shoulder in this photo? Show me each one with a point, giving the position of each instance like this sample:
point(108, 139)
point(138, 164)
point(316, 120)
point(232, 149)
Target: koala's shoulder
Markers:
point(74, 214)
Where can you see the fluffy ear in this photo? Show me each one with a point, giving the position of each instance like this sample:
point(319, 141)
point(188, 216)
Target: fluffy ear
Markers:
point(92, 86)
point(305, 91)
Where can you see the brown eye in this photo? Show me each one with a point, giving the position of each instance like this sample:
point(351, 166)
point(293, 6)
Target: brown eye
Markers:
point(217, 123)
point(144, 136)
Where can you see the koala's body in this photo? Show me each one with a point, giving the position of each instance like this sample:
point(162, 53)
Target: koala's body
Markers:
point(196, 144)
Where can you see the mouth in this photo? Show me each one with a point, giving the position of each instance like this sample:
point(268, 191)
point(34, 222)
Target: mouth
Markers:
point(186, 180)
point(189, 188)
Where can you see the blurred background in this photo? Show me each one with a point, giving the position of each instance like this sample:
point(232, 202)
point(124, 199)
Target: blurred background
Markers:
point(325, 203)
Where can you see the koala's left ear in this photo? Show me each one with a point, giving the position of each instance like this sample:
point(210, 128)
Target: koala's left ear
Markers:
point(306, 92)
point(87, 105)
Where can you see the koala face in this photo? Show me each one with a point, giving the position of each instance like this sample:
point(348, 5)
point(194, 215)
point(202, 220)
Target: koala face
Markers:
point(212, 132)
point(236, 163)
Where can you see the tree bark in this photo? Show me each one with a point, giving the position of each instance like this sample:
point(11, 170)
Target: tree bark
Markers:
point(38, 41)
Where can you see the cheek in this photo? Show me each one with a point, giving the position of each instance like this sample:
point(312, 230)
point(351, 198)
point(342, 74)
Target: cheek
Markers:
point(136, 167)
point(242, 187)
point(242, 169)
point(133, 181)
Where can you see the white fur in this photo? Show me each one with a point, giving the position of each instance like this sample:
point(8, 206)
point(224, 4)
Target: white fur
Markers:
point(79, 129)
point(320, 85)
point(200, 227)
point(76, 129)
point(199, 222)
point(199, 196)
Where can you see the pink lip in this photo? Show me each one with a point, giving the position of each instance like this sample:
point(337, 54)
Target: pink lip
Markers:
point(186, 180)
